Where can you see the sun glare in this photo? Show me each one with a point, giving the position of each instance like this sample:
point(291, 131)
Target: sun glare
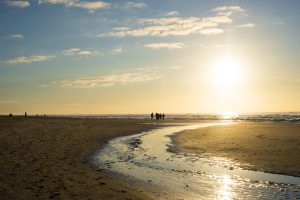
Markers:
point(226, 72)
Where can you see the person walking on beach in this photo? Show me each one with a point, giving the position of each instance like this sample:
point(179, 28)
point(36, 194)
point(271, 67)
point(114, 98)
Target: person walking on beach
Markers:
point(152, 116)
point(25, 114)
point(163, 116)
point(156, 116)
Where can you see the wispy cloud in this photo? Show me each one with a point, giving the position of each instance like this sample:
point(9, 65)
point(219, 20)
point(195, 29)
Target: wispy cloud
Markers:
point(176, 26)
point(211, 31)
point(248, 25)
point(94, 5)
point(220, 45)
point(118, 50)
point(172, 26)
point(131, 4)
point(19, 4)
point(172, 13)
point(228, 8)
point(91, 5)
point(173, 67)
point(161, 45)
point(30, 59)
point(16, 36)
point(77, 52)
point(120, 78)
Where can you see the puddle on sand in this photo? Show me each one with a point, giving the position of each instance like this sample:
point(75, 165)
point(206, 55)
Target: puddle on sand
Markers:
point(145, 159)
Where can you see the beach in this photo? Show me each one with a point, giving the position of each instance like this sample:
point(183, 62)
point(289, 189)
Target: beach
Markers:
point(268, 147)
point(49, 158)
point(52, 158)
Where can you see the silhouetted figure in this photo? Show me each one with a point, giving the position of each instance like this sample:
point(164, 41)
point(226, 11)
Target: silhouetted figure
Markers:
point(25, 114)
point(151, 116)
point(163, 116)
point(156, 116)
point(10, 115)
point(159, 116)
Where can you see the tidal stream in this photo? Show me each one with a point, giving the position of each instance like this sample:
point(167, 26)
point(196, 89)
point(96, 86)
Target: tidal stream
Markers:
point(148, 159)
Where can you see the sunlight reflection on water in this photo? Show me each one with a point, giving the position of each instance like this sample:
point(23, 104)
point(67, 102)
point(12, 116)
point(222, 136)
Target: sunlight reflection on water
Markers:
point(147, 158)
point(225, 191)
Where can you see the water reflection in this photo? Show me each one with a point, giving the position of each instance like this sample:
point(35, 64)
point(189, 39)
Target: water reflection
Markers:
point(228, 115)
point(226, 188)
point(147, 159)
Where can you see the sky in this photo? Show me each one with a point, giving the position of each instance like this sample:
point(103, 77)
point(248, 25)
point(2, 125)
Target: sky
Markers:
point(134, 57)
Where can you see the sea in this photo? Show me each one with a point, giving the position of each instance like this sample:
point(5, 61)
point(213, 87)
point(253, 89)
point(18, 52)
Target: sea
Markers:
point(290, 117)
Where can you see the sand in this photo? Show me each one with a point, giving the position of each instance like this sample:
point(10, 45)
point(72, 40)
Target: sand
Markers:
point(267, 147)
point(49, 159)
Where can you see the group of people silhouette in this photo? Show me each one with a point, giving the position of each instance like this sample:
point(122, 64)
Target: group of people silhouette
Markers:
point(158, 116)
point(10, 115)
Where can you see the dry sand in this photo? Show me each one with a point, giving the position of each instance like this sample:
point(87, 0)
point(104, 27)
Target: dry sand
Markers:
point(268, 147)
point(48, 159)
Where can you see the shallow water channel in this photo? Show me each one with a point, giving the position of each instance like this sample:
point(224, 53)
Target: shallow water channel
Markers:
point(147, 159)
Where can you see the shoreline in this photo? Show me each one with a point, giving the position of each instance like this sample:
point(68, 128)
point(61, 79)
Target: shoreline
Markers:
point(262, 150)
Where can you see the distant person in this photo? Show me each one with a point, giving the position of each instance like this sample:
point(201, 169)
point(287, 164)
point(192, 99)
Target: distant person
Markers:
point(25, 114)
point(152, 116)
point(159, 116)
point(163, 116)
point(10, 115)
point(156, 116)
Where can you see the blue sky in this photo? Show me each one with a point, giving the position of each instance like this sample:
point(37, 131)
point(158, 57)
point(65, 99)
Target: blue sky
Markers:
point(81, 57)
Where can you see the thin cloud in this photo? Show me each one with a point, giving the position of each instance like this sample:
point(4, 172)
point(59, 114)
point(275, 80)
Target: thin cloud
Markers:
point(248, 25)
point(228, 8)
point(131, 4)
point(178, 26)
point(19, 4)
point(78, 4)
point(16, 36)
point(211, 31)
point(173, 67)
point(121, 78)
point(162, 45)
point(85, 53)
point(172, 26)
point(91, 5)
point(118, 50)
point(41, 58)
point(30, 59)
point(172, 13)
point(221, 45)
point(76, 51)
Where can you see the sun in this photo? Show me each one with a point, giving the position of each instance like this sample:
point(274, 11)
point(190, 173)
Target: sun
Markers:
point(226, 72)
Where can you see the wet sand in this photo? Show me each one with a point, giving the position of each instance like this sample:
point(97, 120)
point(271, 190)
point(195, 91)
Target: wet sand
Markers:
point(267, 147)
point(48, 159)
